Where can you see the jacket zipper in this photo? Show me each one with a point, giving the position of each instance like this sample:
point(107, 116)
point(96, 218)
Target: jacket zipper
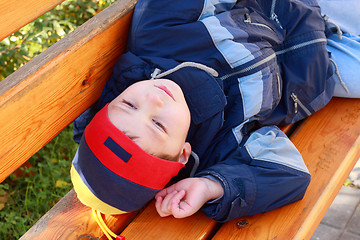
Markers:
point(300, 45)
point(273, 15)
point(251, 67)
point(248, 20)
point(272, 56)
point(278, 85)
point(297, 103)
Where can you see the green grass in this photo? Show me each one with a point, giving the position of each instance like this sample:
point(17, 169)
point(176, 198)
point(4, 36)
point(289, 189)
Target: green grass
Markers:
point(24, 199)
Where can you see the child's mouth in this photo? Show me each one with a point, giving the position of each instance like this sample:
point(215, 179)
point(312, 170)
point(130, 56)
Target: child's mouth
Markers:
point(166, 90)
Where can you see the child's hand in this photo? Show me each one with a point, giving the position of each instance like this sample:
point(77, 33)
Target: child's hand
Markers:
point(186, 197)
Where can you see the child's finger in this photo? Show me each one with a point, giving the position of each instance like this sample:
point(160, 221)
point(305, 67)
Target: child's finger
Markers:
point(165, 191)
point(164, 207)
point(158, 202)
point(178, 197)
point(180, 207)
point(162, 193)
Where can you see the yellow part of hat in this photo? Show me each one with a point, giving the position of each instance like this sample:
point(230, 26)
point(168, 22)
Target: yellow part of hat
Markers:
point(88, 198)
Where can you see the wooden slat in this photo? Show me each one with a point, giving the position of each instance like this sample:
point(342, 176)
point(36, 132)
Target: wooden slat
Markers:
point(49, 92)
point(17, 13)
point(149, 225)
point(70, 219)
point(330, 144)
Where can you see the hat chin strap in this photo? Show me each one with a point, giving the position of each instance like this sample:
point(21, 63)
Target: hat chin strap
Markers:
point(100, 221)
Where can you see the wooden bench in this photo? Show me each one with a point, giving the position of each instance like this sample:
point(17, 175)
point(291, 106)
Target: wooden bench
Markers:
point(44, 96)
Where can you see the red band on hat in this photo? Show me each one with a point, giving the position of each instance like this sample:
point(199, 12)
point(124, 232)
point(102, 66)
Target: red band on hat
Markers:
point(121, 155)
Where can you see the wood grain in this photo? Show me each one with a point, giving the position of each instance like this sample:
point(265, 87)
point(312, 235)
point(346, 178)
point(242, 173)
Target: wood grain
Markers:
point(17, 13)
point(330, 145)
point(70, 219)
point(50, 91)
point(149, 225)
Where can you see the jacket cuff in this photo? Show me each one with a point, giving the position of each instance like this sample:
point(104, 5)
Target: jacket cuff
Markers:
point(214, 179)
point(234, 202)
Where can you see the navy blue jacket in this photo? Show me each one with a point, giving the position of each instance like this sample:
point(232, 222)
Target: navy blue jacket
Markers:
point(273, 69)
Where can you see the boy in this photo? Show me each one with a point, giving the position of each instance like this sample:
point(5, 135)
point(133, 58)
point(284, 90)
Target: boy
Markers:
point(263, 154)
point(266, 55)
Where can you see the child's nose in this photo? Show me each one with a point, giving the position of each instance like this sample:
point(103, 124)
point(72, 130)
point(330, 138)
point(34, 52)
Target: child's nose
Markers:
point(154, 100)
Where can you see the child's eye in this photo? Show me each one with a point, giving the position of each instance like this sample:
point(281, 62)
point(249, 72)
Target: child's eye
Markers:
point(159, 125)
point(129, 104)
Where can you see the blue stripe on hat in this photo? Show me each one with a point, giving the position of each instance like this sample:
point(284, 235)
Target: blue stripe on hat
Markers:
point(108, 186)
point(117, 149)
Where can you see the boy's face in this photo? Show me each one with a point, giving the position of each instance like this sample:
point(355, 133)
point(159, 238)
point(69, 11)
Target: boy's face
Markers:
point(154, 114)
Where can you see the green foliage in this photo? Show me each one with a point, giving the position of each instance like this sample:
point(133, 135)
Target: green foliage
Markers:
point(26, 197)
point(40, 34)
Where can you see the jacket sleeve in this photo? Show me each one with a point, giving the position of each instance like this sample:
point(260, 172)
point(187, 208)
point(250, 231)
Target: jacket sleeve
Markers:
point(265, 173)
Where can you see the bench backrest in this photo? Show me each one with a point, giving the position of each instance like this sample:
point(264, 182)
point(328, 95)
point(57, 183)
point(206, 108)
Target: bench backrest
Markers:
point(49, 92)
point(16, 14)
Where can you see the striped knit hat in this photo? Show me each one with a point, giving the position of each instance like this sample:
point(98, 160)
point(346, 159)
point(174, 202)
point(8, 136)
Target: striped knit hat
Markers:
point(112, 174)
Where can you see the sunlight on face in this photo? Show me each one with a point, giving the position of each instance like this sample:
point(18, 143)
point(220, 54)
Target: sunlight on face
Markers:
point(154, 114)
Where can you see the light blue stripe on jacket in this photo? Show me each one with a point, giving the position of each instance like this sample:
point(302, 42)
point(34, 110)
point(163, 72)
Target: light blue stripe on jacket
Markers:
point(270, 144)
point(235, 53)
point(211, 7)
point(251, 88)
